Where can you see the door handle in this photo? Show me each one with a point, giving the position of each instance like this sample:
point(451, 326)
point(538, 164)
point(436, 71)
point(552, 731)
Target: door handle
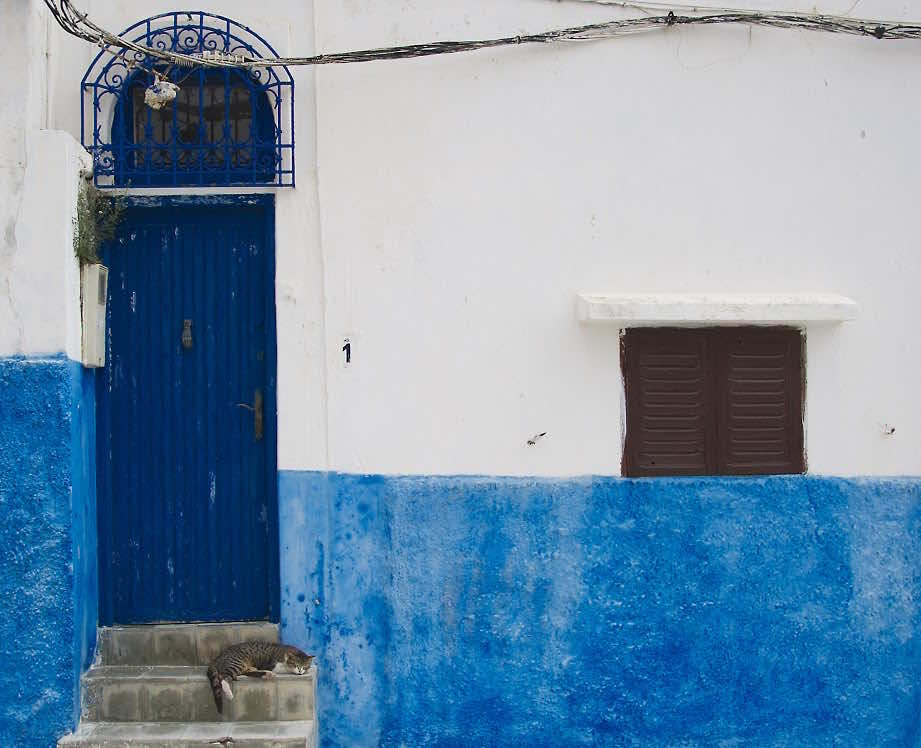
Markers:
point(256, 408)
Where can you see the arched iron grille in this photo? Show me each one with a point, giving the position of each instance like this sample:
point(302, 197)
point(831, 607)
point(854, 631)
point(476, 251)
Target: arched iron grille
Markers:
point(226, 127)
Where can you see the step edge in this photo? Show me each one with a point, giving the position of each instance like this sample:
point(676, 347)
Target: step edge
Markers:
point(300, 729)
point(98, 673)
point(177, 624)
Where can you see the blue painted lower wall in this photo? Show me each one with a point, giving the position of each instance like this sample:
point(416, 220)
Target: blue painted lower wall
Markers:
point(604, 612)
point(48, 589)
point(510, 612)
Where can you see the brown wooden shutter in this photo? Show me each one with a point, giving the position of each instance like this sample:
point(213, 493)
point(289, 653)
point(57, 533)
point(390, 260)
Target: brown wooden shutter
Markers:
point(725, 401)
point(668, 414)
point(760, 426)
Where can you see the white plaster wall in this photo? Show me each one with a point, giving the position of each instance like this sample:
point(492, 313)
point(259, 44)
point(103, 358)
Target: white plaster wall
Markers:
point(39, 177)
point(453, 207)
point(466, 199)
point(20, 95)
point(44, 283)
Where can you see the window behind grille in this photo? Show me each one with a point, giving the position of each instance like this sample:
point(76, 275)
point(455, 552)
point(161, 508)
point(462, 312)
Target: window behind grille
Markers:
point(725, 401)
point(220, 129)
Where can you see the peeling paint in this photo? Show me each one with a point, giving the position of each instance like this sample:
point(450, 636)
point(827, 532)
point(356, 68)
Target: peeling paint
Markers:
point(604, 611)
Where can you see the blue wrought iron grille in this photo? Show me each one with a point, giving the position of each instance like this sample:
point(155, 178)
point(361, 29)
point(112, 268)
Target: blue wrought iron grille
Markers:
point(226, 126)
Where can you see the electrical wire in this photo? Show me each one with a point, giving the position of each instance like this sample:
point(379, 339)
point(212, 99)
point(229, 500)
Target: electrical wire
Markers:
point(79, 24)
point(652, 6)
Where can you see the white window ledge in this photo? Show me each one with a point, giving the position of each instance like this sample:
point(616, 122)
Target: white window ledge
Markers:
point(695, 310)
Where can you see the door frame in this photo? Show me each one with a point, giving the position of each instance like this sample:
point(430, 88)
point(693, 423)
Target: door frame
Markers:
point(265, 201)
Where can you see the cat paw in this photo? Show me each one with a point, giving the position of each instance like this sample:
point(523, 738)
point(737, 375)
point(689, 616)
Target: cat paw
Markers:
point(269, 675)
point(225, 686)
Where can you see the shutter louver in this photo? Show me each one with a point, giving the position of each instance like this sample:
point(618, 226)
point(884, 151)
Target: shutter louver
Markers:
point(668, 414)
point(725, 401)
point(760, 410)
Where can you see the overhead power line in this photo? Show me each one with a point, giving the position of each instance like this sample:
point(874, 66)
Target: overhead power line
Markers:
point(79, 24)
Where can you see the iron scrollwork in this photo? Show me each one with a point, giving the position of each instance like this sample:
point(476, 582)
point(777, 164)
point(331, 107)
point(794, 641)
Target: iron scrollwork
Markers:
point(226, 127)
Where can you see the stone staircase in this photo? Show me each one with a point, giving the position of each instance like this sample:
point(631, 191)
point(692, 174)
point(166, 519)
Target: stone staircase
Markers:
point(150, 690)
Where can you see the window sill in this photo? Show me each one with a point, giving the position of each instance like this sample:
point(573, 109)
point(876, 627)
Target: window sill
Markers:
point(694, 310)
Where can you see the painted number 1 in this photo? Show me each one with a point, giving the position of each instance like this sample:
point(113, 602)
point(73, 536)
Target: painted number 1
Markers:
point(347, 349)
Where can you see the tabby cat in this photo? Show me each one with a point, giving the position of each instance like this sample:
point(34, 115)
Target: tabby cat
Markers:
point(257, 659)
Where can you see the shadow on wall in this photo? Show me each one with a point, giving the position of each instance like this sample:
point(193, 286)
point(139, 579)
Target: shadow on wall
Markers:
point(520, 612)
point(47, 546)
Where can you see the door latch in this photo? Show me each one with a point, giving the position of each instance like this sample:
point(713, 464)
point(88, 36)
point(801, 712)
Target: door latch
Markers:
point(187, 334)
point(256, 408)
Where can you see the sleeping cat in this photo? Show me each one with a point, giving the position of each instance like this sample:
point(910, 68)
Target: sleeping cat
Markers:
point(257, 659)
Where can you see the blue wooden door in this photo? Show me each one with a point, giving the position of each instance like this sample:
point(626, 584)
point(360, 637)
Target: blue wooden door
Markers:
point(186, 415)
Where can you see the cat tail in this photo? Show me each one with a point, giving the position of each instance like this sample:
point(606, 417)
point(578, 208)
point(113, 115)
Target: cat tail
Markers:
point(217, 688)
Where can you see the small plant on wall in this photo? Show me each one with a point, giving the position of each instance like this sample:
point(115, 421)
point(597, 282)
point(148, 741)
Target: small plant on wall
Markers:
point(98, 218)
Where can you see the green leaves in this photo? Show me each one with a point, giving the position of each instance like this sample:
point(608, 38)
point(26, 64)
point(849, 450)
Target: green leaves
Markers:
point(98, 218)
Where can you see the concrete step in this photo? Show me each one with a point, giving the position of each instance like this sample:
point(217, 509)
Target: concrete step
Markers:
point(200, 735)
point(176, 643)
point(175, 693)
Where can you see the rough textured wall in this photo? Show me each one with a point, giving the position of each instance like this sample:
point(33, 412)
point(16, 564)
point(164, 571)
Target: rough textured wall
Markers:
point(83, 505)
point(520, 612)
point(47, 586)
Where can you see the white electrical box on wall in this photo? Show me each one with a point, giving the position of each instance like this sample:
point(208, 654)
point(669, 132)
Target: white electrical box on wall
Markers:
point(93, 291)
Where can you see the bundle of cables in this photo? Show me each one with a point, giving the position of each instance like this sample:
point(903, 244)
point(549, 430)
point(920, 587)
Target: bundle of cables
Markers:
point(79, 24)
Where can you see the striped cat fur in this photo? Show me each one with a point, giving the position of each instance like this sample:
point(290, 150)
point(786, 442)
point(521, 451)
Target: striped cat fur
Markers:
point(256, 659)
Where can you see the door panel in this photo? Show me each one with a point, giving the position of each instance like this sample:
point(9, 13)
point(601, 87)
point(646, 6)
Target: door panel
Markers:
point(187, 504)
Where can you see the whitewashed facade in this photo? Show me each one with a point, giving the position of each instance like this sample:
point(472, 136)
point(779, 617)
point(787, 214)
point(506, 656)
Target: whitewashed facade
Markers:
point(448, 213)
